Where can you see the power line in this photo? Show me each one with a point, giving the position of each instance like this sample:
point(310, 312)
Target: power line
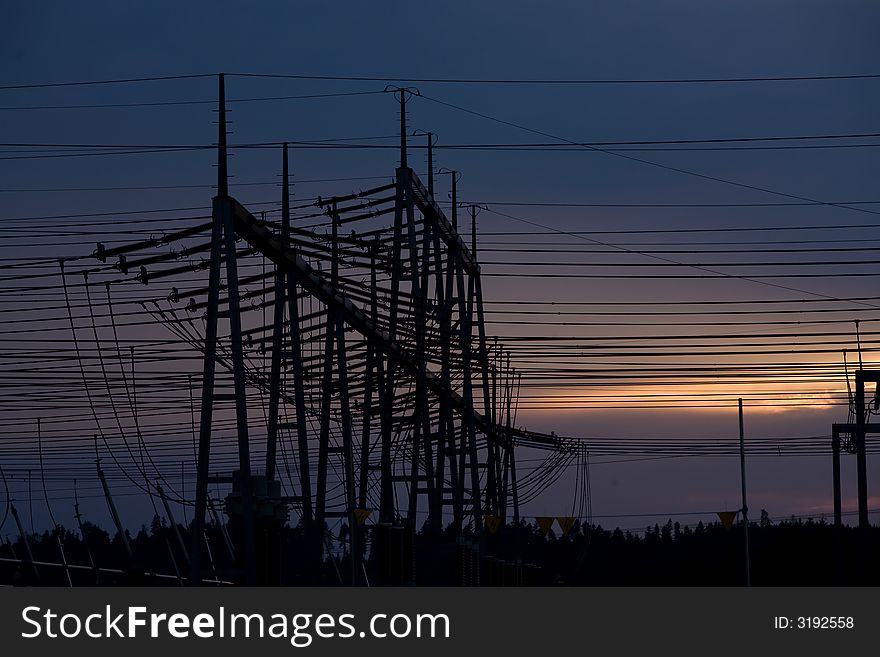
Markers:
point(190, 102)
point(456, 80)
point(575, 204)
point(570, 81)
point(80, 83)
point(193, 186)
point(651, 163)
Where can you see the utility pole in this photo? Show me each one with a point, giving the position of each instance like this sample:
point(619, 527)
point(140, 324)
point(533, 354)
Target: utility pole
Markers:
point(403, 158)
point(210, 351)
point(223, 245)
point(277, 337)
point(745, 506)
point(296, 355)
point(862, 467)
point(430, 136)
point(835, 477)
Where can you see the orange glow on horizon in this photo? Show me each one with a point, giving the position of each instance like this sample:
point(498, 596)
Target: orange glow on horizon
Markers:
point(823, 388)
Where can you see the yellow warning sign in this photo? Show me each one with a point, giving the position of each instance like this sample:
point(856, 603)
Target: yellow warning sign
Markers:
point(493, 523)
point(727, 518)
point(361, 515)
point(544, 524)
point(565, 523)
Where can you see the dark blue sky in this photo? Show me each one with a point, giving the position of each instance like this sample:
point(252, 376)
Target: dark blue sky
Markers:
point(59, 41)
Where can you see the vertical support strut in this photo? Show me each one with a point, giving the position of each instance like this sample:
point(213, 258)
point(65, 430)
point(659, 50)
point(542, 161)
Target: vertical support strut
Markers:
point(277, 342)
point(347, 451)
point(513, 483)
point(483, 355)
point(296, 358)
point(861, 451)
point(864, 539)
point(838, 523)
point(506, 451)
point(468, 448)
point(456, 475)
point(326, 389)
point(513, 492)
point(210, 354)
point(244, 459)
point(421, 428)
point(446, 445)
point(372, 378)
point(835, 475)
point(373, 359)
point(430, 136)
point(388, 387)
point(223, 245)
point(745, 506)
point(403, 157)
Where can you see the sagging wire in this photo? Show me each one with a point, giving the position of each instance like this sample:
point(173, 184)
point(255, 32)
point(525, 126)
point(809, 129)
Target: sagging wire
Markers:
point(130, 391)
point(106, 379)
point(82, 371)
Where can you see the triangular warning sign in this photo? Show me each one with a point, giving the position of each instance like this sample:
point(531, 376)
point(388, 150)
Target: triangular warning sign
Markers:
point(565, 523)
point(544, 524)
point(361, 515)
point(727, 518)
point(493, 523)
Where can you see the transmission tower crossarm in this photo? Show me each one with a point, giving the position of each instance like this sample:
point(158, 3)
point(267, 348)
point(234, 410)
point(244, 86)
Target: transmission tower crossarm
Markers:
point(249, 228)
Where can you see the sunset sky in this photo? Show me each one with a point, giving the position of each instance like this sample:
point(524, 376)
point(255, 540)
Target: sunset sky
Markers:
point(641, 253)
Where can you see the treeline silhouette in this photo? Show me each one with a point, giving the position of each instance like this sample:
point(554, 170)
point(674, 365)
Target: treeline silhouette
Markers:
point(795, 552)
